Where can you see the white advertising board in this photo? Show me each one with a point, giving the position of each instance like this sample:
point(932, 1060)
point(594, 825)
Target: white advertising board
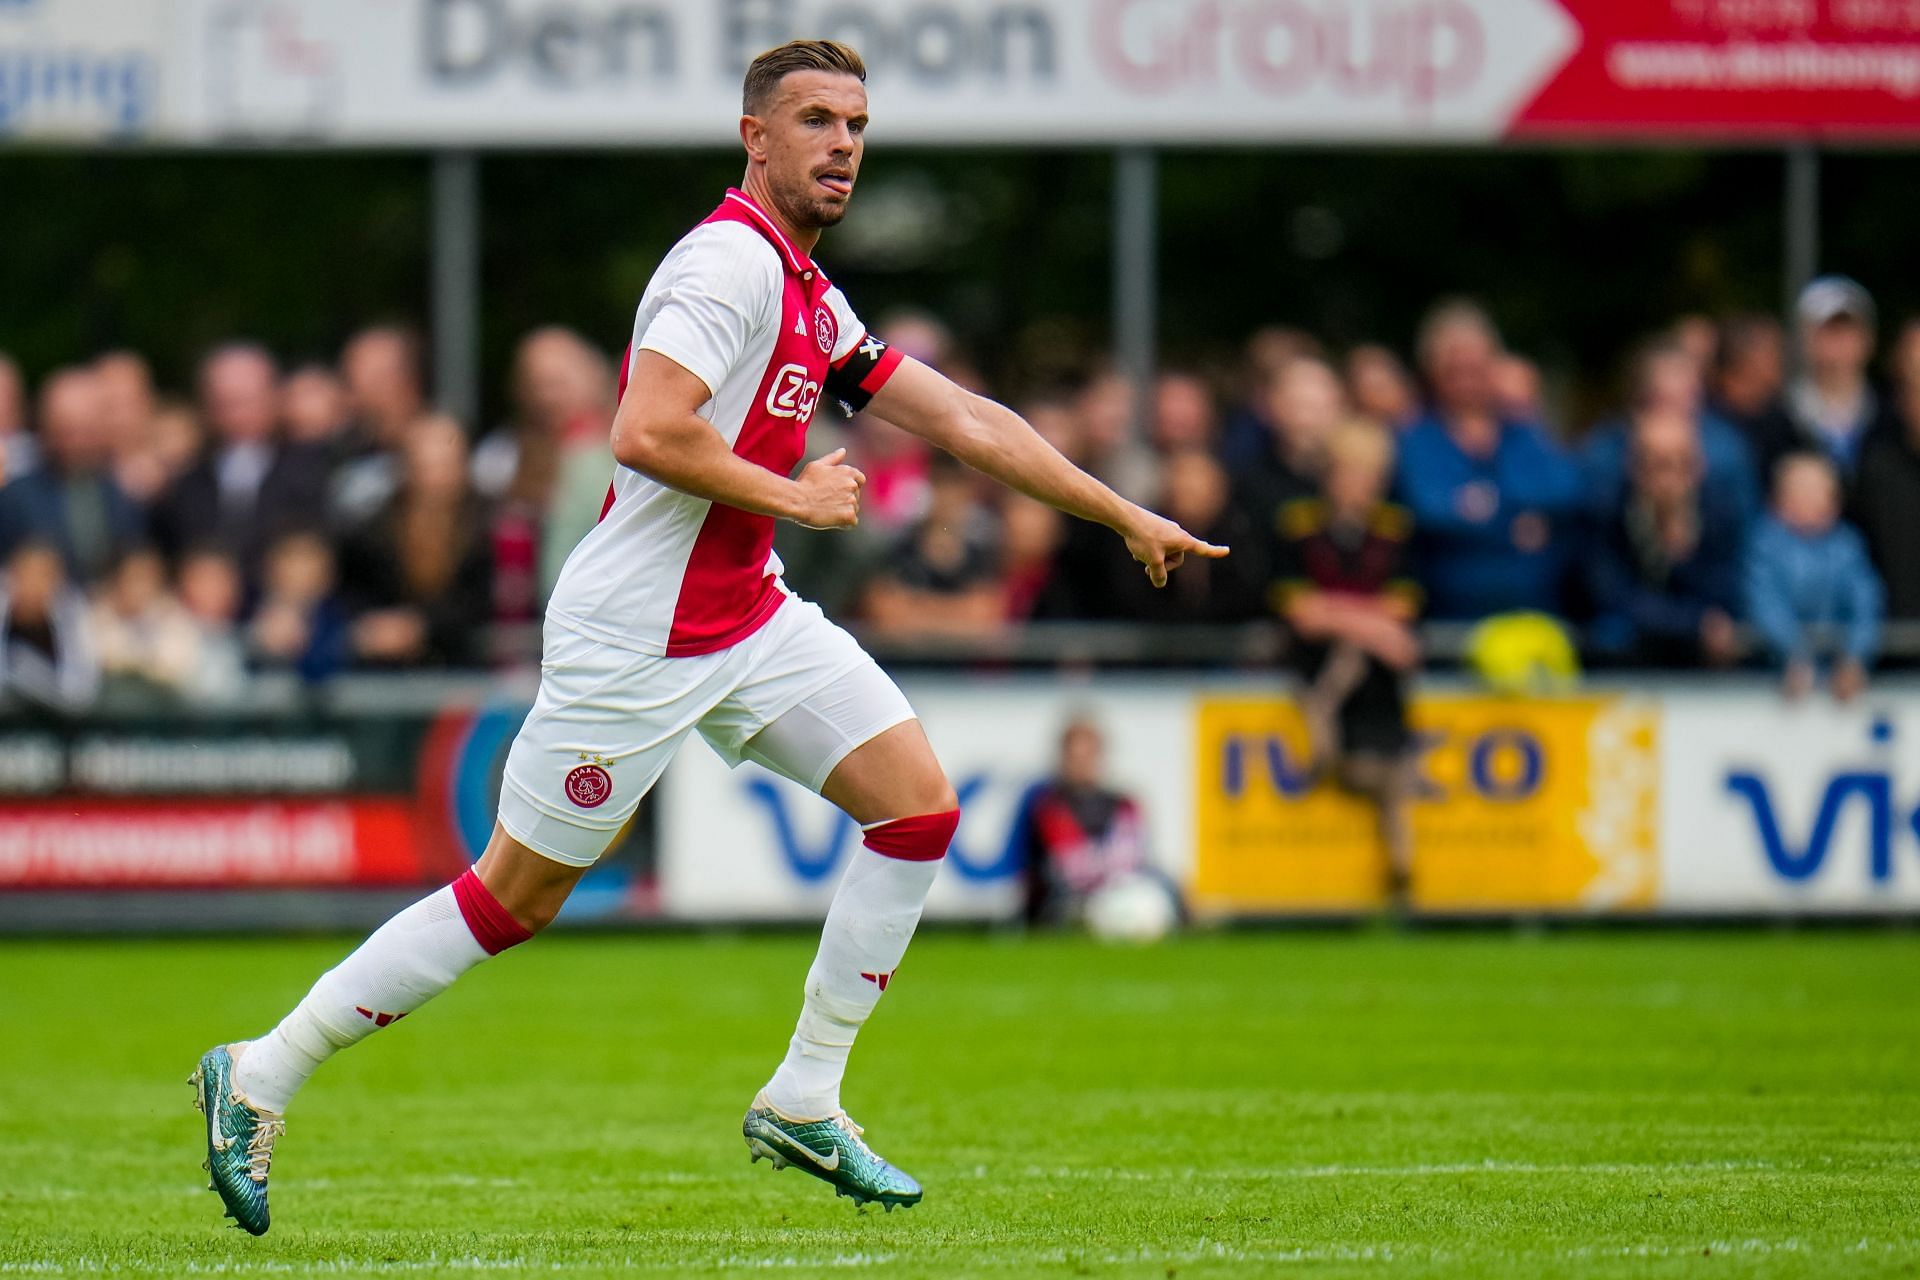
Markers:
point(1768, 807)
point(667, 73)
point(748, 845)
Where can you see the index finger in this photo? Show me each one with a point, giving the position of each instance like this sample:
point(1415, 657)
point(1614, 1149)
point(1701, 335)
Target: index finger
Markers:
point(1207, 549)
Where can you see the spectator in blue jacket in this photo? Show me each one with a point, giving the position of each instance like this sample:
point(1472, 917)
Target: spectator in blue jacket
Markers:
point(71, 500)
point(1494, 499)
point(1806, 571)
point(1664, 564)
point(1668, 380)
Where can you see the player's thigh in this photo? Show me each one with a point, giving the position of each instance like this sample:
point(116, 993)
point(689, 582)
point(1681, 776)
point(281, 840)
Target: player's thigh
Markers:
point(811, 699)
point(602, 730)
point(892, 775)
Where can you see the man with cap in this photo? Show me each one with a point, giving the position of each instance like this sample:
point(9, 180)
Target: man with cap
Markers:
point(1830, 406)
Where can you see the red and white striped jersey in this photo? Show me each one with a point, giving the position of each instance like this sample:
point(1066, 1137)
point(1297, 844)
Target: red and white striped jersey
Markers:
point(740, 307)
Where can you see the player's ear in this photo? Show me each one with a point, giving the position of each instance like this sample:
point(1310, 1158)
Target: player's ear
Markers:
point(753, 132)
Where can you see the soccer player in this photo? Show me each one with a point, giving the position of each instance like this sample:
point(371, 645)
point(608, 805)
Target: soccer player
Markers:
point(670, 616)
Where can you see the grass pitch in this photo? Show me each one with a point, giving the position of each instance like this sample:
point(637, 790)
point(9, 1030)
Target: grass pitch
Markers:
point(1467, 1105)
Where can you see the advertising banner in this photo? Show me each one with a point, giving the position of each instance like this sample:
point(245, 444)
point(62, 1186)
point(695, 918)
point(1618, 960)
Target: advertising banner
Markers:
point(748, 845)
point(666, 73)
point(1530, 805)
point(1769, 807)
point(249, 801)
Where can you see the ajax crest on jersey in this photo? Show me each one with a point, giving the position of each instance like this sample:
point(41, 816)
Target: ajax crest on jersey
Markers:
point(824, 329)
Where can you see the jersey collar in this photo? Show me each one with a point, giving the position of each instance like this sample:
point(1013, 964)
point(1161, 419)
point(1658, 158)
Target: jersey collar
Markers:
point(797, 262)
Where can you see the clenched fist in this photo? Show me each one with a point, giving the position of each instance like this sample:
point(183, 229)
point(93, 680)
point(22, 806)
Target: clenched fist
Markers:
point(829, 493)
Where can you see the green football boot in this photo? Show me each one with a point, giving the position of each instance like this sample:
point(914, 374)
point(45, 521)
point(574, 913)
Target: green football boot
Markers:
point(831, 1150)
point(240, 1139)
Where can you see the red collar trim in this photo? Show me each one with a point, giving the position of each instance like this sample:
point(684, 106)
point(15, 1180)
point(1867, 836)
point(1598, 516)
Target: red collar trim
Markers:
point(797, 262)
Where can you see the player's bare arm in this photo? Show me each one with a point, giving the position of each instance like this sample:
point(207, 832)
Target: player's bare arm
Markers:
point(660, 433)
point(994, 439)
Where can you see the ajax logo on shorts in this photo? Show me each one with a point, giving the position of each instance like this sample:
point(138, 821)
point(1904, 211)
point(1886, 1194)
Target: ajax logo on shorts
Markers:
point(824, 329)
point(590, 784)
point(793, 394)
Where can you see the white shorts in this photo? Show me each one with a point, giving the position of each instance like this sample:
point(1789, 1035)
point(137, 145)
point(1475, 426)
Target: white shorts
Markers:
point(796, 696)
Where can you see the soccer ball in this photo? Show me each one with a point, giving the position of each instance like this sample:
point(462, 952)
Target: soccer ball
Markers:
point(1131, 907)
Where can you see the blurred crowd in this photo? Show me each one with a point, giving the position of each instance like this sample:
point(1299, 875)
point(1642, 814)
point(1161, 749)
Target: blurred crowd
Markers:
point(1754, 496)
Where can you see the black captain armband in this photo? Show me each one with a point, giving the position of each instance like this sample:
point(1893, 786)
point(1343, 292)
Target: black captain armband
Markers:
point(860, 373)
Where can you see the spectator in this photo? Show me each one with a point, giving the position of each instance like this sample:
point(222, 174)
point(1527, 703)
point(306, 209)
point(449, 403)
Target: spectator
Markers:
point(1830, 407)
point(299, 624)
point(1271, 348)
point(313, 406)
point(1381, 388)
point(386, 395)
point(1342, 591)
point(1304, 403)
point(1665, 564)
point(1886, 498)
point(1075, 831)
point(1666, 382)
point(179, 440)
point(1113, 452)
point(1748, 372)
point(1184, 416)
point(419, 573)
point(210, 591)
point(1194, 494)
point(249, 487)
point(1699, 337)
point(1492, 498)
point(18, 449)
point(1032, 534)
point(46, 654)
point(128, 406)
point(142, 635)
point(944, 578)
point(1805, 570)
point(71, 500)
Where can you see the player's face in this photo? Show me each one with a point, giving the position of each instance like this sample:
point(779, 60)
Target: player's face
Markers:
point(814, 136)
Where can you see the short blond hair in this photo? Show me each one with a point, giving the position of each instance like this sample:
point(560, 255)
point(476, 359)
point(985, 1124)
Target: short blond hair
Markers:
point(1360, 442)
point(766, 72)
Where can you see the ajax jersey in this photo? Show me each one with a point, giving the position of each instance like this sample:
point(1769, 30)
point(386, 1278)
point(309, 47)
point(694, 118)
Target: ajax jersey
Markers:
point(740, 307)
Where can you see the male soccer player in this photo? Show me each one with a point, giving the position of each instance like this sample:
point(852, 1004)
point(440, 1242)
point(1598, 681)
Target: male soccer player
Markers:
point(670, 616)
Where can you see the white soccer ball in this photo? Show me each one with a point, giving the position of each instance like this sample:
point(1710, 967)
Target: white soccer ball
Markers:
point(1131, 907)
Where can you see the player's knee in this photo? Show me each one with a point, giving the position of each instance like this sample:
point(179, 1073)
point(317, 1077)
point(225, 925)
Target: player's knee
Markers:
point(921, 838)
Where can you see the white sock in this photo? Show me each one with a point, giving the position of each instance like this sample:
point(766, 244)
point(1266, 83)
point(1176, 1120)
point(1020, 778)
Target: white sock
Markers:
point(868, 927)
point(409, 960)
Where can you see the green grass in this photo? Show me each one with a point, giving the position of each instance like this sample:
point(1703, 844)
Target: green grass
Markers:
point(1471, 1105)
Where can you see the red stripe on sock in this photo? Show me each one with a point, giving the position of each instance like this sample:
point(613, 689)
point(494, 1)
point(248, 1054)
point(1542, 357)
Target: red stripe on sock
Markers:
point(921, 839)
point(491, 924)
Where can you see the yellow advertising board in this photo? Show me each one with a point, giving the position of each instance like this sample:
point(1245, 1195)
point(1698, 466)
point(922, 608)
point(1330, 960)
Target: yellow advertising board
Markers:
point(1548, 804)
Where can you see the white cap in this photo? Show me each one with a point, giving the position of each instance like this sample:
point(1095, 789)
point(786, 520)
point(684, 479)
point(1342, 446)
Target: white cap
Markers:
point(1830, 297)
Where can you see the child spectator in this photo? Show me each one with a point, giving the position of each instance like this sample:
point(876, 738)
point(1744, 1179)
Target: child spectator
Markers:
point(210, 590)
point(46, 652)
point(1806, 570)
point(1664, 568)
point(1342, 590)
point(313, 406)
point(299, 624)
point(142, 634)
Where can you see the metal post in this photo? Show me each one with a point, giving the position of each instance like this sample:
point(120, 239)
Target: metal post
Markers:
point(1136, 303)
point(1802, 217)
point(456, 285)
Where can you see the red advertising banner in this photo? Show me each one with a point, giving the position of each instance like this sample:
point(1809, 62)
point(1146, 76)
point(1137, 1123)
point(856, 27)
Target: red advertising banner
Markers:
point(1757, 68)
point(51, 844)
